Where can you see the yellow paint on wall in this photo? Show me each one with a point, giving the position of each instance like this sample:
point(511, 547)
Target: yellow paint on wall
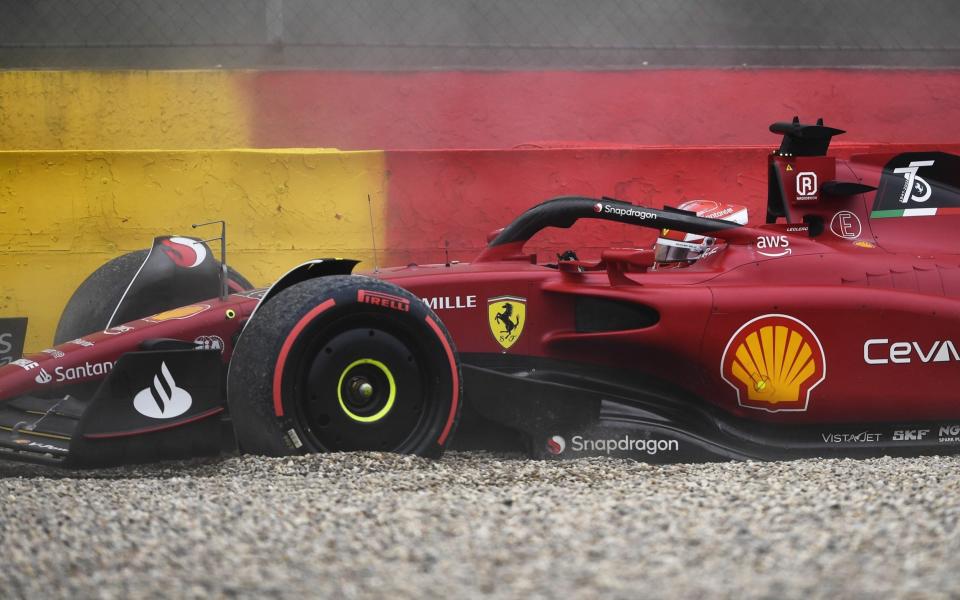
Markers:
point(64, 213)
point(122, 109)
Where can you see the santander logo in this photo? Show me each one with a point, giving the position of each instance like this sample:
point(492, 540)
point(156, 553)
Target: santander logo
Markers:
point(162, 400)
point(184, 252)
point(556, 445)
point(43, 376)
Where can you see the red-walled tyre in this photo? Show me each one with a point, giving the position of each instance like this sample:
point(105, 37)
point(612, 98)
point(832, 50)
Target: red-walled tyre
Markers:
point(344, 363)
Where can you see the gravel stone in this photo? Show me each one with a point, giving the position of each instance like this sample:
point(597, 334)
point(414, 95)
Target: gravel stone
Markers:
point(474, 525)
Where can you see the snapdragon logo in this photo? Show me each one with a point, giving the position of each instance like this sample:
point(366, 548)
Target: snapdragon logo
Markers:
point(556, 445)
point(625, 444)
point(621, 211)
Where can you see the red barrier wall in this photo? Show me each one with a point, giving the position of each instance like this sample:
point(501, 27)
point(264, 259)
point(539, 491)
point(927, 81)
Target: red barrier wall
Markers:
point(357, 110)
point(461, 196)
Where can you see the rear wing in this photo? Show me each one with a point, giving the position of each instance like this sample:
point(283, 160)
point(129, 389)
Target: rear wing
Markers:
point(804, 140)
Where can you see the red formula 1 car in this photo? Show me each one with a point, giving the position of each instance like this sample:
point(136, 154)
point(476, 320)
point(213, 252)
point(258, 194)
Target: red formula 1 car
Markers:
point(831, 330)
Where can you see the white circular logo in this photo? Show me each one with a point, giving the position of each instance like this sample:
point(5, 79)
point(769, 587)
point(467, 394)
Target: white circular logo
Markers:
point(185, 252)
point(598, 207)
point(846, 225)
point(43, 376)
point(162, 400)
point(556, 445)
point(209, 342)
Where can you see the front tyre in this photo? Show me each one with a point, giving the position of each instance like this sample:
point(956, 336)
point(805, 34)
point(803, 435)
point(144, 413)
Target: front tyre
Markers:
point(344, 363)
point(93, 302)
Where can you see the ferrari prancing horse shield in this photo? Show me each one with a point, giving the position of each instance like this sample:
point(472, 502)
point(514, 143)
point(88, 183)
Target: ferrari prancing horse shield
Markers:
point(507, 316)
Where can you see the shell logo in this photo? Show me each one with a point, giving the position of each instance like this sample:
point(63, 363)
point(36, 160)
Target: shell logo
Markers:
point(183, 312)
point(774, 362)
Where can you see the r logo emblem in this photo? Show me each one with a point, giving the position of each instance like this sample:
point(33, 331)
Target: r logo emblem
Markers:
point(806, 185)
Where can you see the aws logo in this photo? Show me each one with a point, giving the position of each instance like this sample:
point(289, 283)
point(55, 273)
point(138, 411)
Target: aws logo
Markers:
point(774, 362)
point(773, 245)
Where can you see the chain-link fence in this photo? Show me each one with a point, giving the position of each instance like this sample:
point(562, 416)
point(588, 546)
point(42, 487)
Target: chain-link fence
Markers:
point(477, 34)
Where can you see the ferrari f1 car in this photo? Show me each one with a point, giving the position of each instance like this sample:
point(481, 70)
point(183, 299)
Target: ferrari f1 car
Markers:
point(831, 330)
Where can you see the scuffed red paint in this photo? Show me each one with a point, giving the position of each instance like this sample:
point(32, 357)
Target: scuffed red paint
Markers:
point(460, 196)
point(451, 109)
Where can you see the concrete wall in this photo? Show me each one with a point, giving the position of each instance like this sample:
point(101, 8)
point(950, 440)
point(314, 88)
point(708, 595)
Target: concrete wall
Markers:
point(452, 109)
point(53, 110)
point(685, 107)
point(64, 213)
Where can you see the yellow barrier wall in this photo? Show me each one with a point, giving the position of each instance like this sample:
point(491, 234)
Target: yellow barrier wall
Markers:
point(49, 110)
point(64, 213)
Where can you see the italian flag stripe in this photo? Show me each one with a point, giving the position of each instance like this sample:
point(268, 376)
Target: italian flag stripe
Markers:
point(882, 214)
point(914, 212)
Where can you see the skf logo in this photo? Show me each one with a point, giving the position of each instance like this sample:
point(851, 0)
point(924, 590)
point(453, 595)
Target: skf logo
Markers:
point(910, 435)
point(773, 245)
point(556, 445)
point(807, 185)
point(774, 362)
point(507, 316)
point(384, 300)
point(162, 400)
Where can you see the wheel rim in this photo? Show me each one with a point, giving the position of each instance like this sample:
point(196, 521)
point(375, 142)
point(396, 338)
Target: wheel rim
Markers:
point(361, 388)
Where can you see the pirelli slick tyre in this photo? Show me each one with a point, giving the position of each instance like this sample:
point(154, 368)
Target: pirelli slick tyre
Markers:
point(344, 363)
point(91, 305)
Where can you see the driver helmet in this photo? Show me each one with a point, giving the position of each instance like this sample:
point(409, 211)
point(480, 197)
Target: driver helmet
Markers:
point(680, 247)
